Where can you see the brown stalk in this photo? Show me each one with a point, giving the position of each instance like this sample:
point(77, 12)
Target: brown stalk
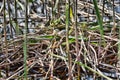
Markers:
point(76, 38)
point(5, 37)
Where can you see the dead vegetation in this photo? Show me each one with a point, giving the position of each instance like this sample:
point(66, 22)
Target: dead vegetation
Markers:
point(47, 58)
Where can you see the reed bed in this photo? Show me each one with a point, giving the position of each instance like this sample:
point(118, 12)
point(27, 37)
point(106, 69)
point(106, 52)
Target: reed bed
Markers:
point(59, 40)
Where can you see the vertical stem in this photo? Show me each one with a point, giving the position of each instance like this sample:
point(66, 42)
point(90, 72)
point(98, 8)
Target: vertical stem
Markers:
point(59, 9)
point(119, 46)
point(5, 36)
point(16, 22)
point(100, 22)
point(119, 40)
point(46, 3)
point(88, 20)
point(11, 31)
point(52, 2)
point(56, 7)
point(103, 8)
point(114, 26)
point(67, 38)
point(76, 32)
point(98, 17)
point(76, 37)
point(51, 65)
point(26, 16)
point(8, 3)
point(43, 7)
point(25, 40)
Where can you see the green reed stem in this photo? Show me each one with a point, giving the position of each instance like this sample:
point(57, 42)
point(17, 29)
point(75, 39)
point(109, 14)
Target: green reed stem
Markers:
point(67, 38)
point(25, 41)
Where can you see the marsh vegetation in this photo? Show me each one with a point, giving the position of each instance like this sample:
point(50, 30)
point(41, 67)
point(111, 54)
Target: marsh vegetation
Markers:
point(59, 39)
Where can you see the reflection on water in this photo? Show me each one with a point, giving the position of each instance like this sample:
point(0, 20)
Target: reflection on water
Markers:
point(117, 9)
